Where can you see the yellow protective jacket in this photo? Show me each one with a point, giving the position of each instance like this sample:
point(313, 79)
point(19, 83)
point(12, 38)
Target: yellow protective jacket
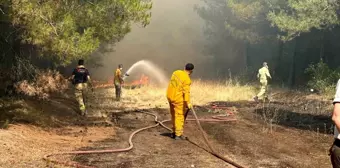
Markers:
point(118, 77)
point(263, 74)
point(179, 87)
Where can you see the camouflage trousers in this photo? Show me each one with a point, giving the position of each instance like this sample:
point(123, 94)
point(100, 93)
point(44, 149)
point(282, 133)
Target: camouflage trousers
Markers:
point(81, 96)
point(263, 90)
point(118, 91)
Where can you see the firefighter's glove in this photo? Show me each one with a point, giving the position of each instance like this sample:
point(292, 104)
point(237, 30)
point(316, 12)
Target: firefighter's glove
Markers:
point(190, 106)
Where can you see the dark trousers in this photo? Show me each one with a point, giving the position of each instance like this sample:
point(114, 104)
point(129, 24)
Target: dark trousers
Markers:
point(335, 154)
point(118, 89)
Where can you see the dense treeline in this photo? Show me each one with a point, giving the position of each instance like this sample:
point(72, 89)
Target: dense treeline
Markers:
point(290, 35)
point(61, 31)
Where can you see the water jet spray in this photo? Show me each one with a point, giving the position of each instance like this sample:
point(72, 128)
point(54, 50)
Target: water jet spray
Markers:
point(146, 66)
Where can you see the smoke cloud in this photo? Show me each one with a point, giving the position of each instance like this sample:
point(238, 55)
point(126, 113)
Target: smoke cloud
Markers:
point(174, 37)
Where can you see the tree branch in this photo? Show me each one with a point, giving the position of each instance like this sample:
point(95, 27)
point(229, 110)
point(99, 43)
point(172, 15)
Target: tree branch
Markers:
point(2, 11)
point(54, 28)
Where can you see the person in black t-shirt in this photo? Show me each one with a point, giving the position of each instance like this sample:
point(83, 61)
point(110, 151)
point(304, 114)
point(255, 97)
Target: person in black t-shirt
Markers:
point(80, 80)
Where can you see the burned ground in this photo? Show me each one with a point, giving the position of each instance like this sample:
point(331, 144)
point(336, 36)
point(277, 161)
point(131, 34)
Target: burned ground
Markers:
point(250, 140)
point(265, 135)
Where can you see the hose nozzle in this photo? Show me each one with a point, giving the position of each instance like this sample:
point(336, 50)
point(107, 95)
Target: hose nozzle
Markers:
point(125, 75)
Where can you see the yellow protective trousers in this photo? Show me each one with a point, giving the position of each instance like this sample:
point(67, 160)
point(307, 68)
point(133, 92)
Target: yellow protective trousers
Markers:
point(263, 90)
point(177, 111)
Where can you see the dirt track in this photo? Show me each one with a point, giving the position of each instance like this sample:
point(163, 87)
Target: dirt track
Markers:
point(245, 141)
point(251, 140)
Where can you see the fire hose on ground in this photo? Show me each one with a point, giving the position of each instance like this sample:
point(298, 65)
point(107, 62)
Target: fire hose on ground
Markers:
point(161, 123)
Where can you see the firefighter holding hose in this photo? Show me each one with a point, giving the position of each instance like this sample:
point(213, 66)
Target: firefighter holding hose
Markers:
point(263, 76)
point(118, 81)
point(80, 79)
point(178, 95)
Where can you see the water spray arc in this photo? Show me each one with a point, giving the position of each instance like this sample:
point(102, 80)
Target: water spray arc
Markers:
point(149, 67)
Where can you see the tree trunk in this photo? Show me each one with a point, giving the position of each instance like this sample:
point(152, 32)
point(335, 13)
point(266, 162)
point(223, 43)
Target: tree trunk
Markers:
point(279, 60)
point(293, 65)
point(246, 55)
point(322, 47)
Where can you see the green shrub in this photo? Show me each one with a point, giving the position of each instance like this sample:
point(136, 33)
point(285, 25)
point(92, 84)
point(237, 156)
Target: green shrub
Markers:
point(322, 77)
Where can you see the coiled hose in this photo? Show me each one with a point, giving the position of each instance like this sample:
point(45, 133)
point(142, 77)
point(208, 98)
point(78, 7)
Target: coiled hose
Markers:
point(48, 158)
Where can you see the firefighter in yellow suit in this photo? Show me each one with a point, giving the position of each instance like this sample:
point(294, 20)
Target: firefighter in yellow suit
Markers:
point(178, 95)
point(263, 76)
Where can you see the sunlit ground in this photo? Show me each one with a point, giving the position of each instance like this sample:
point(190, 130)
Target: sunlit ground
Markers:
point(286, 104)
point(202, 92)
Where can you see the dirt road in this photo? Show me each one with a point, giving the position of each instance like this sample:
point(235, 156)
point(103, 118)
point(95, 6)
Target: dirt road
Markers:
point(246, 141)
point(257, 139)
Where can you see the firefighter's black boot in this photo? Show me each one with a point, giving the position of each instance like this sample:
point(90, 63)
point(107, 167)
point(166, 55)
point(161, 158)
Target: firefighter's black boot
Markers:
point(180, 137)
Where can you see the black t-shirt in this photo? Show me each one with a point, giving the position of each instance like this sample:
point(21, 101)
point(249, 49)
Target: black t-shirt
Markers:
point(80, 75)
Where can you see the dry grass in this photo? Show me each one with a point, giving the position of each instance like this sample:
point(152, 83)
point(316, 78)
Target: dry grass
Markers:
point(205, 91)
point(45, 83)
point(304, 102)
point(202, 92)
